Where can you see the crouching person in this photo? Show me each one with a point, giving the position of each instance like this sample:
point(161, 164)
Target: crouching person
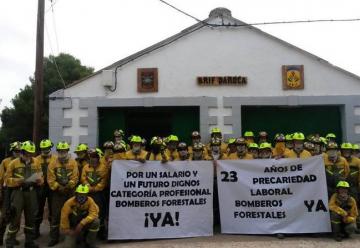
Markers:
point(79, 219)
point(343, 212)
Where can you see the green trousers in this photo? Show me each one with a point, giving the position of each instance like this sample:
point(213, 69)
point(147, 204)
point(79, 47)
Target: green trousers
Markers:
point(22, 200)
point(88, 233)
point(338, 226)
point(57, 202)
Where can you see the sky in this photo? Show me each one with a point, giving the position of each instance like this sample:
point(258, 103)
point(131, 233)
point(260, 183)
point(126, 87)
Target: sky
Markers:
point(100, 32)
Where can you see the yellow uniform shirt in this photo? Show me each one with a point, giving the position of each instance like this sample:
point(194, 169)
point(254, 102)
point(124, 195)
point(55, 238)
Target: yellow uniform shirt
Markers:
point(89, 210)
point(293, 154)
point(335, 206)
point(62, 174)
point(97, 177)
point(18, 170)
point(129, 155)
point(234, 156)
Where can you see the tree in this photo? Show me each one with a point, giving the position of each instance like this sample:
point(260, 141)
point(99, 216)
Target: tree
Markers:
point(17, 121)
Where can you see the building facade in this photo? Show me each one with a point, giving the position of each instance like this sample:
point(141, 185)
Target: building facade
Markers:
point(217, 73)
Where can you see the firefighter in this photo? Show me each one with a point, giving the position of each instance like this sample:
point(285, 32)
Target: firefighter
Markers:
point(95, 174)
point(183, 152)
point(79, 219)
point(253, 149)
point(157, 150)
point(231, 149)
point(265, 151)
point(215, 150)
point(289, 141)
point(249, 137)
point(171, 145)
point(354, 174)
point(310, 147)
point(280, 148)
point(119, 137)
point(216, 133)
point(198, 152)
point(298, 150)
point(356, 151)
point(119, 152)
point(343, 212)
point(5, 192)
point(24, 175)
point(108, 157)
point(195, 138)
point(44, 158)
point(262, 137)
point(63, 176)
point(336, 167)
point(316, 140)
point(136, 153)
point(81, 156)
point(241, 149)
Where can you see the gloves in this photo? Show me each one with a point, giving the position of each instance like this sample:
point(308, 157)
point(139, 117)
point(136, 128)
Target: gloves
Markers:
point(349, 219)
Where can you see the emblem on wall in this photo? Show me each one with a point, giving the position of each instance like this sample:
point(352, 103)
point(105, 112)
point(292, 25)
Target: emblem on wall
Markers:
point(147, 79)
point(293, 77)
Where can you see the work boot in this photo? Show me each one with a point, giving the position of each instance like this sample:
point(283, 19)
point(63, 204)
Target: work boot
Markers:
point(337, 237)
point(53, 242)
point(31, 245)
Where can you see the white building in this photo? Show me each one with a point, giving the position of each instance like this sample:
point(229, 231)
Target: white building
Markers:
point(90, 109)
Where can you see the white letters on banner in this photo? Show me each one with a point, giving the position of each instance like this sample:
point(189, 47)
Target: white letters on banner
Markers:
point(155, 200)
point(273, 196)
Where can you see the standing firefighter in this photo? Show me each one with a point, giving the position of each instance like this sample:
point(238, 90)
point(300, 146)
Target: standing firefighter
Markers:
point(298, 150)
point(136, 153)
point(44, 191)
point(23, 176)
point(81, 152)
point(63, 175)
point(95, 174)
point(15, 149)
point(343, 212)
point(336, 167)
point(79, 219)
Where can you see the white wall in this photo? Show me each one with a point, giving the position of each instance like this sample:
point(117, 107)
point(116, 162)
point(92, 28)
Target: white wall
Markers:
point(221, 52)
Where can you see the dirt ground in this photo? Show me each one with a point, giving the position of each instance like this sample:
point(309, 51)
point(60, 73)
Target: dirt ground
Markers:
point(221, 240)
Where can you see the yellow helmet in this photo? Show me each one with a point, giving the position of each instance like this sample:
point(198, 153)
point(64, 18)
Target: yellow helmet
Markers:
point(265, 145)
point(156, 141)
point(95, 152)
point(119, 147)
point(62, 145)
point(248, 134)
point(231, 141)
point(298, 136)
point(356, 147)
point(81, 148)
point(330, 135)
point(15, 146)
point(263, 134)
point(253, 146)
point(46, 143)
point(82, 189)
point(28, 146)
point(289, 137)
point(215, 130)
point(346, 146)
point(135, 139)
point(172, 138)
point(342, 184)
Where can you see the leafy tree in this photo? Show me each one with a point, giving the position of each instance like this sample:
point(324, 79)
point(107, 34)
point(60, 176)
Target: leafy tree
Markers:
point(17, 121)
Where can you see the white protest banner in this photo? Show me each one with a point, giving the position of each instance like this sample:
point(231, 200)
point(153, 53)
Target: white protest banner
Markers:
point(268, 196)
point(155, 200)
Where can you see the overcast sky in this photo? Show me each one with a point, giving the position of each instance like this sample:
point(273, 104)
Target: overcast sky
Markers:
point(100, 32)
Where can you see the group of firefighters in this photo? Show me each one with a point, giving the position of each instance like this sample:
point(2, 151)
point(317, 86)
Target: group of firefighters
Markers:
point(77, 190)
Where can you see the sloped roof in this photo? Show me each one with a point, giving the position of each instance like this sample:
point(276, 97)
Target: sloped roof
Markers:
point(217, 16)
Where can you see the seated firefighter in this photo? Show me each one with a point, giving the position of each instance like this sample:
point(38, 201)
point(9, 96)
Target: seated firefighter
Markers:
point(343, 212)
point(79, 219)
